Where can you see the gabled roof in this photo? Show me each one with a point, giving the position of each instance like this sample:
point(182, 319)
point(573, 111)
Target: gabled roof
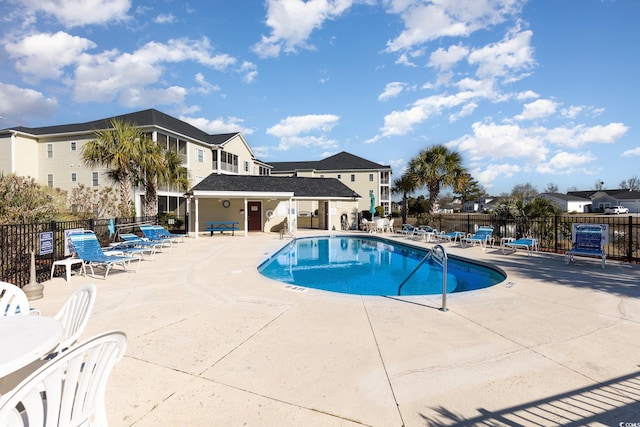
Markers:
point(566, 197)
point(300, 187)
point(619, 193)
point(340, 161)
point(141, 119)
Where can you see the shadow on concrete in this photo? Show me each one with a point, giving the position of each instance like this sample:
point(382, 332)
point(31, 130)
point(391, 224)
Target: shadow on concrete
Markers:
point(617, 278)
point(614, 402)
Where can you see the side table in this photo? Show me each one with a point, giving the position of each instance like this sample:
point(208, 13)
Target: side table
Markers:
point(67, 263)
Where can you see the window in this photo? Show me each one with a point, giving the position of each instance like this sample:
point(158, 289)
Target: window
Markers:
point(370, 177)
point(50, 180)
point(200, 155)
point(246, 166)
point(74, 145)
point(74, 177)
point(94, 179)
point(353, 178)
point(49, 151)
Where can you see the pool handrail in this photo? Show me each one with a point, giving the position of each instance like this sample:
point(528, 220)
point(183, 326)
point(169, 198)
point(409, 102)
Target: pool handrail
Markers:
point(439, 255)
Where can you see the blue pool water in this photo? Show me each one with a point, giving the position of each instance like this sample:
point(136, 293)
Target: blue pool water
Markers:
point(371, 266)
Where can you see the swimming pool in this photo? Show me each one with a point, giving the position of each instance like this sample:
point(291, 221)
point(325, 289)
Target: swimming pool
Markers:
point(368, 265)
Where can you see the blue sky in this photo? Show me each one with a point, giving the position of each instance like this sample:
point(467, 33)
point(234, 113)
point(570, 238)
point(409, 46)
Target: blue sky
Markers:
point(526, 91)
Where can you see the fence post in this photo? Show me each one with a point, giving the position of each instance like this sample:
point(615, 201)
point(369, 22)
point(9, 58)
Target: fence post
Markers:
point(630, 239)
point(555, 232)
point(55, 241)
point(186, 222)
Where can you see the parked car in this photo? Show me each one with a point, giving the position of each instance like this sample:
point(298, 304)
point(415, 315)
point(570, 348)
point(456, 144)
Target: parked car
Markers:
point(616, 210)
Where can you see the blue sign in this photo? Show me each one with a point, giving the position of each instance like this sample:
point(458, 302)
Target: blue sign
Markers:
point(46, 242)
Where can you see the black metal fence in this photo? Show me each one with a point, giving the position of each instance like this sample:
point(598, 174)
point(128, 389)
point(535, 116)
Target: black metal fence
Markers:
point(19, 241)
point(553, 233)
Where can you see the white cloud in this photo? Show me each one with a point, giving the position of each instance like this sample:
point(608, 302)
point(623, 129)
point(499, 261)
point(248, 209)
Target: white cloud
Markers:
point(165, 18)
point(572, 112)
point(632, 152)
point(75, 13)
point(297, 131)
point(579, 135)
point(204, 86)
point(44, 55)
point(429, 20)
point(445, 59)
point(493, 141)
point(537, 109)
point(249, 71)
point(490, 173)
point(465, 111)
point(293, 21)
point(398, 123)
point(527, 94)
point(219, 125)
point(391, 90)
point(565, 163)
point(105, 76)
point(18, 103)
point(506, 58)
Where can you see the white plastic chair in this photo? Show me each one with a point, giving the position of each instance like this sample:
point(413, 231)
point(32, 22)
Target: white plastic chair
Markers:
point(13, 300)
point(74, 314)
point(69, 390)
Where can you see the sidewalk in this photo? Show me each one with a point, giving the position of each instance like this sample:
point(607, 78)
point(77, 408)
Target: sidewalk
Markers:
point(212, 342)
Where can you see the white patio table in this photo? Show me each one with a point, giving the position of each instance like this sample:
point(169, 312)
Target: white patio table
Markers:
point(25, 338)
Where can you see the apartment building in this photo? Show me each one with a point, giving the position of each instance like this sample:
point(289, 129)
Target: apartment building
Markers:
point(361, 175)
point(52, 156)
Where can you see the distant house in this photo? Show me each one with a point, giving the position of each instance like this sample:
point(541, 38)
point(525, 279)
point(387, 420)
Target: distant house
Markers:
point(483, 204)
point(568, 202)
point(601, 199)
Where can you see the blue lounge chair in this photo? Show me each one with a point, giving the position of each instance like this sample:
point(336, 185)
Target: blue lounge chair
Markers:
point(163, 232)
point(130, 249)
point(151, 233)
point(140, 242)
point(450, 237)
point(483, 236)
point(589, 241)
point(87, 247)
point(528, 244)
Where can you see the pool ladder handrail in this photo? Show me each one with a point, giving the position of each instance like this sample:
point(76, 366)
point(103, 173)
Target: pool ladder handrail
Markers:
point(439, 255)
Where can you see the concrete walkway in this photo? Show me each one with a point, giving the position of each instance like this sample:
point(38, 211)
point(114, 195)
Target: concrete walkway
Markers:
point(212, 342)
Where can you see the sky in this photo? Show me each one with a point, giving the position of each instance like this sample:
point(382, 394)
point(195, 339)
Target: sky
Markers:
point(528, 92)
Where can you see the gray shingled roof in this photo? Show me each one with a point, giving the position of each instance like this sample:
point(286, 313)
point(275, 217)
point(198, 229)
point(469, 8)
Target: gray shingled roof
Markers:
point(145, 118)
point(566, 197)
point(340, 161)
point(301, 187)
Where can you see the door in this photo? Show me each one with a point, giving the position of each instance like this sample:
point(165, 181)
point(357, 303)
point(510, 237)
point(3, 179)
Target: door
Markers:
point(255, 216)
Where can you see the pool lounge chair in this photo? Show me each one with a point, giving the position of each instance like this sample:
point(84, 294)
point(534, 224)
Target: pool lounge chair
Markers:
point(151, 233)
point(587, 241)
point(528, 244)
point(451, 237)
point(483, 236)
point(163, 232)
point(87, 247)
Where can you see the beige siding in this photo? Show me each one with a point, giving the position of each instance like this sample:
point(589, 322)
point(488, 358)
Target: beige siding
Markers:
point(27, 158)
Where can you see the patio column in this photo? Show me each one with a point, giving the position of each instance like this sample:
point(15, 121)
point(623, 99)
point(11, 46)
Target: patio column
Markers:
point(197, 215)
point(246, 218)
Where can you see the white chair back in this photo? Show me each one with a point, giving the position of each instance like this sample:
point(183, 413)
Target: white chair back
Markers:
point(69, 390)
point(74, 314)
point(13, 300)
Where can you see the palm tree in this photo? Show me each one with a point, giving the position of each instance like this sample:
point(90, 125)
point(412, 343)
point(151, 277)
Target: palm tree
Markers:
point(404, 185)
point(158, 166)
point(437, 167)
point(132, 158)
point(116, 149)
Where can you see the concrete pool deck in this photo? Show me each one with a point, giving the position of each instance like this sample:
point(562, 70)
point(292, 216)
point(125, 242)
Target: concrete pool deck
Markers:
point(212, 342)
